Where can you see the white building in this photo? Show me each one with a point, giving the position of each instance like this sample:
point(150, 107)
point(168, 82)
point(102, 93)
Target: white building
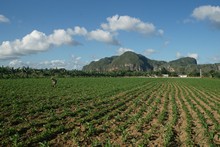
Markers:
point(183, 76)
point(165, 75)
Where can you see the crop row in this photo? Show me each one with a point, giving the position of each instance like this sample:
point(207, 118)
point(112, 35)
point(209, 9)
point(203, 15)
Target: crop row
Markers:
point(110, 111)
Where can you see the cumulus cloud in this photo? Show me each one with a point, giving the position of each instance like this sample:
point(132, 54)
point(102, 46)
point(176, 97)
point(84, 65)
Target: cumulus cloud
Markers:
point(37, 41)
point(102, 36)
point(98, 35)
point(211, 13)
point(53, 64)
point(128, 23)
point(193, 55)
point(3, 19)
point(149, 52)
point(34, 42)
point(80, 31)
point(60, 37)
point(17, 63)
point(73, 63)
point(122, 50)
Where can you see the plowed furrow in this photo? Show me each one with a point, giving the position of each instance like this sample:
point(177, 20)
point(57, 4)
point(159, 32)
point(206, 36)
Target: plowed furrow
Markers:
point(183, 126)
point(154, 127)
point(200, 136)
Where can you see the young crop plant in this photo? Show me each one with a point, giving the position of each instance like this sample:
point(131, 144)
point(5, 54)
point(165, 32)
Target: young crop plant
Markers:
point(96, 143)
point(208, 112)
point(202, 119)
point(15, 140)
point(124, 135)
point(91, 130)
point(168, 135)
point(145, 108)
point(109, 112)
point(43, 144)
point(189, 119)
point(108, 143)
point(75, 135)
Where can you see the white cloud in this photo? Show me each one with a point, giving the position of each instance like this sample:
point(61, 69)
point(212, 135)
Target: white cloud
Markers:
point(95, 58)
point(98, 35)
point(149, 52)
point(54, 64)
point(216, 59)
point(34, 42)
point(80, 31)
point(128, 23)
point(60, 37)
point(17, 63)
point(193, 55)
point(102, 36)
point(37, 41)
point(160, 32)
point(179, 55)
point(208, 12)
point(3, 19)
point(122, 50)
point(73, 63)
point(166, 43)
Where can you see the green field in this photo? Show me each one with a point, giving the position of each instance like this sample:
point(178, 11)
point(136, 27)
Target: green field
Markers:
point(110, 111)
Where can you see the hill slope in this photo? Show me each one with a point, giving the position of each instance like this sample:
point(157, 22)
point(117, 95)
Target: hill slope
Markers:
point(127, 61)
point(130, 61)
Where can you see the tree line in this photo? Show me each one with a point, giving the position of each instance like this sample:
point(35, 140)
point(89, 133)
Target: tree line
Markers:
point(27, 72)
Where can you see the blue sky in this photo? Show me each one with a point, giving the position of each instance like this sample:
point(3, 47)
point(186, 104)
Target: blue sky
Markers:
point(72, 33)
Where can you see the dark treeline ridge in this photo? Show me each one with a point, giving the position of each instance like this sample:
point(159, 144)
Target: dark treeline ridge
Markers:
point(27, 72)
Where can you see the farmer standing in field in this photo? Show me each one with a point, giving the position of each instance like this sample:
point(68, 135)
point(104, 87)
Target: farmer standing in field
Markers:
point(54, 82)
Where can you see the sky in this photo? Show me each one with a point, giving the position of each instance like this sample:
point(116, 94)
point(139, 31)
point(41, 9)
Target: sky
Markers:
point(72, 33)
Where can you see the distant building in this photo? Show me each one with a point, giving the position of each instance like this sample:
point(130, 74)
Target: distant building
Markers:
point(165, 75)
point(183, 76)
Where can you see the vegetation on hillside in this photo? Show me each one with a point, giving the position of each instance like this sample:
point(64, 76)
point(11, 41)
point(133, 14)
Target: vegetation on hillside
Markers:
point(130, 61)
point(128, 64)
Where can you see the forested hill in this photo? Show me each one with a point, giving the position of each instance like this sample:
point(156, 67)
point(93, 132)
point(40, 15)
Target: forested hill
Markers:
point(130, 61)
point(128, 64)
